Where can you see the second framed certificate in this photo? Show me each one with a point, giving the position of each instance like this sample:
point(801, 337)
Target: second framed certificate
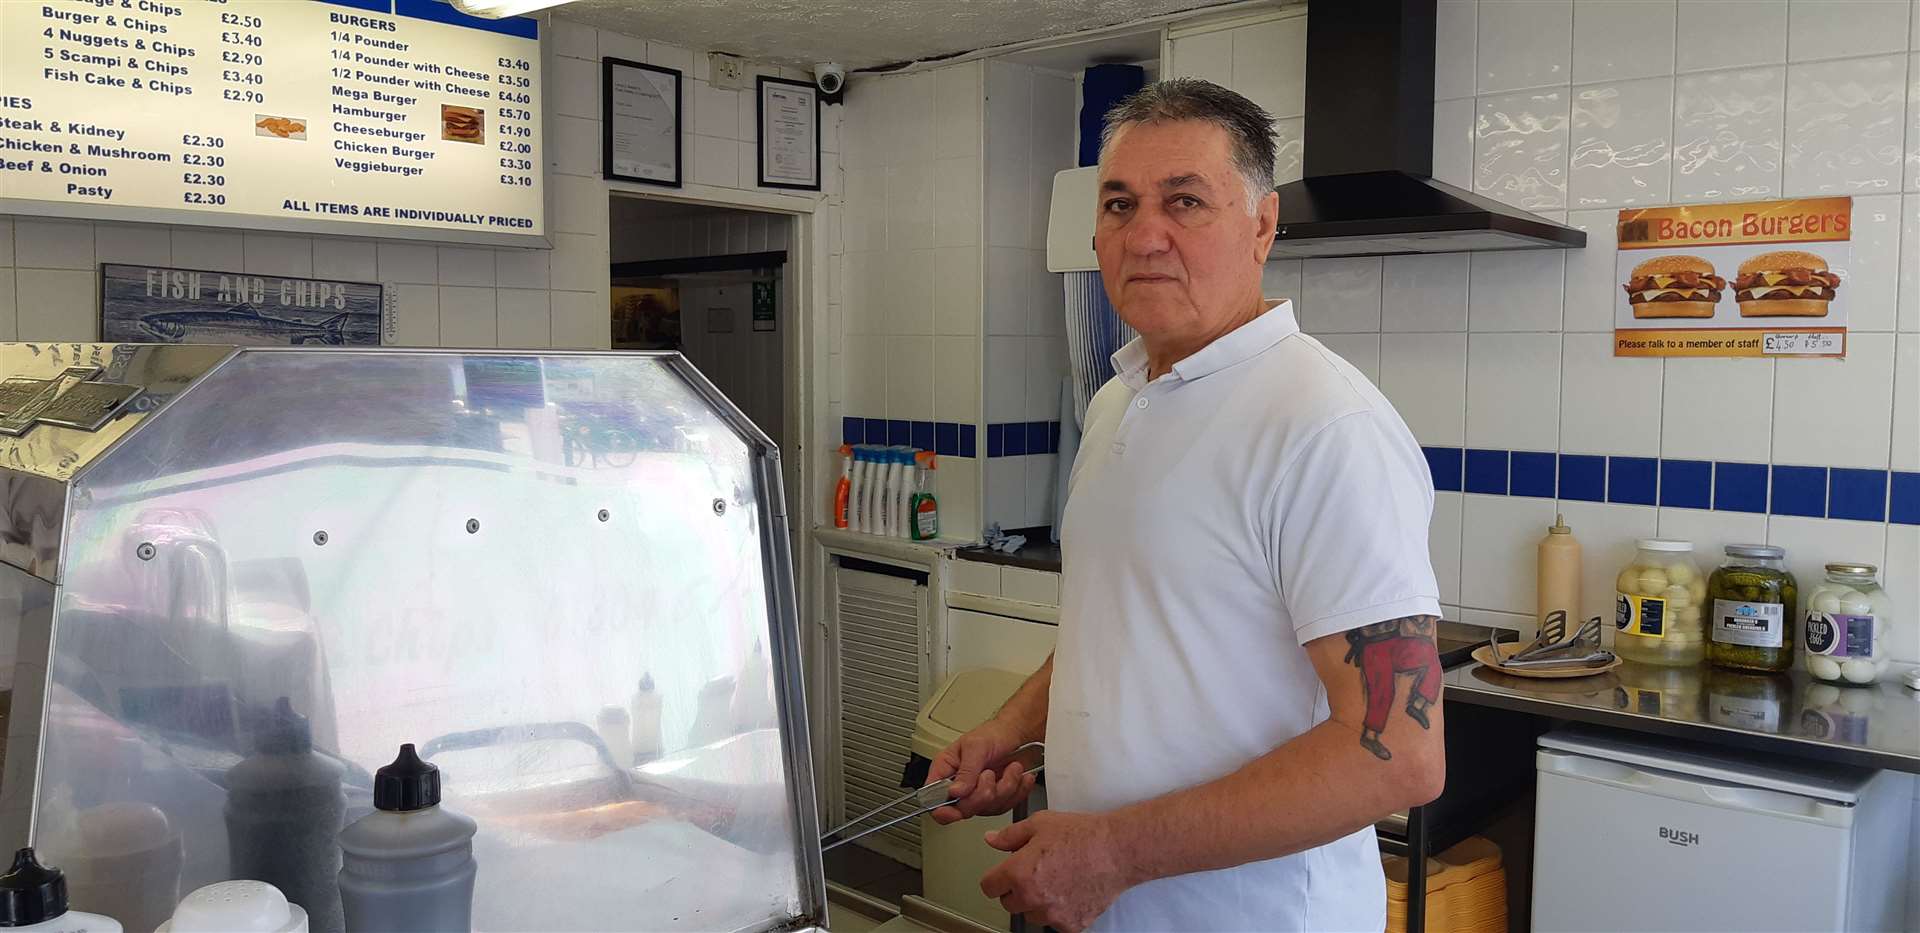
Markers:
point(640, 122)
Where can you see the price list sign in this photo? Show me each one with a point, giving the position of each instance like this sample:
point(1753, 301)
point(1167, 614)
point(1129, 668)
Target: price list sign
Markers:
point(330, 115)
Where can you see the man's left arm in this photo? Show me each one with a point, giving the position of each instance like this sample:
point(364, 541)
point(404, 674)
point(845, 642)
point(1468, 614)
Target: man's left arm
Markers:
point(1378, 752)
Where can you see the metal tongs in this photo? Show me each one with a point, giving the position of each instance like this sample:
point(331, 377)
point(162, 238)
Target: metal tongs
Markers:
point(927, 799)
point(1554, 649)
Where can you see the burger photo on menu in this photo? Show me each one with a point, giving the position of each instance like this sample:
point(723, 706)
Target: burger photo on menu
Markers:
point(1786, 283)
point(1674, 287)
point(462, 124)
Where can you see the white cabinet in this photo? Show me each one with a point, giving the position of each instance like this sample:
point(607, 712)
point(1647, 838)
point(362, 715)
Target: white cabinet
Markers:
point(979, 639)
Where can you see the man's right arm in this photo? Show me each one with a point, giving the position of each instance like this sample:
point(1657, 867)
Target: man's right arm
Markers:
point(977, 788)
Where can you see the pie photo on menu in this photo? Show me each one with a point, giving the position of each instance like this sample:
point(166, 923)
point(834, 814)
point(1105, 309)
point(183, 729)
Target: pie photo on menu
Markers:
point(279, 127)
point(462, 124)
point(1786, 283)
point(1674, 286)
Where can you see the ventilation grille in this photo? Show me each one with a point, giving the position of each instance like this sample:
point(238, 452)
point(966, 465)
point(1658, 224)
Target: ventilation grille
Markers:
point(880, 682)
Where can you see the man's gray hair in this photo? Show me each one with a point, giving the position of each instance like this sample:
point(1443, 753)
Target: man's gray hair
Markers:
point(1248, 127)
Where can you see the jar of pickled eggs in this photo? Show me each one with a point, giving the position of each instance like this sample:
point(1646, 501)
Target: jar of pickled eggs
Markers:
point(1657, 609)
point(1844, 637)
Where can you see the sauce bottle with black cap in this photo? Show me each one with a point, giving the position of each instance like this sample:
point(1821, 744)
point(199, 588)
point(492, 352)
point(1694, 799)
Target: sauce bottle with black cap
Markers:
point(34, 897)
point(408, 865)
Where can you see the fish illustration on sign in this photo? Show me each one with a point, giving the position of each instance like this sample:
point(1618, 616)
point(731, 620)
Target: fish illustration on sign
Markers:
point(151, 304)
point(242, 321)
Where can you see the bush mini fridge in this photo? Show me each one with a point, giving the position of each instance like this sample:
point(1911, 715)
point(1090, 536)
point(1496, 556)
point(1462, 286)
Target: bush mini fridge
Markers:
point(1635, 833)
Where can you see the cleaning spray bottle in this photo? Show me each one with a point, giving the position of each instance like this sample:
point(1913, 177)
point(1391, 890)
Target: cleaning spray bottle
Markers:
point(902, 474)
point(925, 509)
point(842, 488)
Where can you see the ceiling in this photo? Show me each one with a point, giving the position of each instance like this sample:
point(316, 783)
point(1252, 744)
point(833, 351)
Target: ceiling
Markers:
point(859, 33)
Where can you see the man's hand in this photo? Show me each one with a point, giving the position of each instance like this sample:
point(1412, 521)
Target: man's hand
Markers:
point(977, 790)
point(1065, 870)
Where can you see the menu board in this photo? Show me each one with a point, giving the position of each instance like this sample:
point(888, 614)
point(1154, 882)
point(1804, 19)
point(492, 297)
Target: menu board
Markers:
point(335, 115)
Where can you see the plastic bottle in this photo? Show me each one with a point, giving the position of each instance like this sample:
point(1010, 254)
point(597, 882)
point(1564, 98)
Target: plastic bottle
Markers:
point(870, 492)
point(34, 897)
point(1559, 574)
point(857, 491)
point(408, 865)
point(615, 727)
point(925, 509)
point(643, 721)
point(236, 907)
point(121, 858)
point(897, 469)
point(843, 487)
point(284, 808)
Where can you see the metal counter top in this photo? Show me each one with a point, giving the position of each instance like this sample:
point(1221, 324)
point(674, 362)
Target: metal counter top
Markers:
point(1791, 714)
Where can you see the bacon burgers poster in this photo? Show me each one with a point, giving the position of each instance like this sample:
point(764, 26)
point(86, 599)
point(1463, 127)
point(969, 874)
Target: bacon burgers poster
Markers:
point(1760, 279)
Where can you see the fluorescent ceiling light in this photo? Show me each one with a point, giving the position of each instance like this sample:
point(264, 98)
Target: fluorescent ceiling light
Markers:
point(501, 9)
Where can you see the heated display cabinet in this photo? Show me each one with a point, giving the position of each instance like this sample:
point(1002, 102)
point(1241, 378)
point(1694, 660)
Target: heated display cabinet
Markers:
point(235, 581)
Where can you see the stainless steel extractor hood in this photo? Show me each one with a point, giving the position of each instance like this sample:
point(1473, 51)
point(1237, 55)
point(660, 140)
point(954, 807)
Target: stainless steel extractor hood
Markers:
point(1368, 188)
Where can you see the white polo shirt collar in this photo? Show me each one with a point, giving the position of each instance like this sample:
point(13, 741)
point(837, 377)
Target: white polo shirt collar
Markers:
point(1242, 343)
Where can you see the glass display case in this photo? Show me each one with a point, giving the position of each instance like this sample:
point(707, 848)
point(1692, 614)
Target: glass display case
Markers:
point(564, 576)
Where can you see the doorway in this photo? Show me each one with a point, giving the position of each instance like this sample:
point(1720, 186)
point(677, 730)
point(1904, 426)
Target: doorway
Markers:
point(712, 283)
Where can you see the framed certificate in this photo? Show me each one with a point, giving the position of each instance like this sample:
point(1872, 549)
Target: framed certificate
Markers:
point(640, 122)
point(789, 118)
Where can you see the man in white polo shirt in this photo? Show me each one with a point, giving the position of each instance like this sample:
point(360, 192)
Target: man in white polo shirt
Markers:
point(1246, 678)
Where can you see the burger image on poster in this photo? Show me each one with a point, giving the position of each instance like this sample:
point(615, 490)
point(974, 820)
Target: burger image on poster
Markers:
point(1674, 287)
point(1785, 283)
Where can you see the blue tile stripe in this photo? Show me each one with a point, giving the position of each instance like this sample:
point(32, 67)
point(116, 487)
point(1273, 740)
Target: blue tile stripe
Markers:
point(1726, 486)
point(955, 439)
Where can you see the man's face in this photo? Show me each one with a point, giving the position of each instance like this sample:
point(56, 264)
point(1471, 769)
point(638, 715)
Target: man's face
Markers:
point(1179, 250)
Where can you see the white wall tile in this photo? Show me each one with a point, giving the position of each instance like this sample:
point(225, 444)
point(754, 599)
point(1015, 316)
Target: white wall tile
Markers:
point(631, 48)
point(1844, 133)
point(398, 261)
point(1008, 167)
point(1207, 55)
point(579, 205)
point(1621, 138)
point(956, 379)
point(715, 111)
point(957, 96)
point(958, 489)
point(1513, 400)
point(1717, 409)
point(1340, 296)
point(1360, 350)
point(573, 39)
point(1906, 403)
point(910, 378)
point(466, 266)
point(1615, 40)
point(1443, 544)
point(1453, 54)
point(956, 202)
point(6, 241)
point(580, 319)
point(1498, 537)
point(866, 365)
point(525, 318)
point(911, 125)
point(574, 88)
point(416, 312)
point(1519, 290)
point(1006, 379)
point(339, 258)
point(1608, 404)
point(579, 262)
point(861, 298)
point(910, 206)
point(1425, 377)
point(1913, 112)
point(1743, 33)
point(1520, 148)
point(55, 305)
point(716, 161)
point(1270, 65)
point(1040, 487)
point(668, 55)
point(1829, 412)
point(1591, 273)
point(908, 279)
point(1819, 29)
point(1046, 365)
point(1453, 142)
point(513, 268)
point(1727, 129)
point(273, 254)
point(137, 244)
point(1608, 534)
point(1910, 263)
point(212, 250)
point(864, 226)
point(1425, 293)
point(1524, 44)
point(9, 316)
point(1711, 532)
point(1006, 500)
point(956, 291)
point(1873, 275)
point(1008, 307)
point(467, 317)
point(1280, 278)
point(1812, 543)
point(52, 244)
point(576, 145)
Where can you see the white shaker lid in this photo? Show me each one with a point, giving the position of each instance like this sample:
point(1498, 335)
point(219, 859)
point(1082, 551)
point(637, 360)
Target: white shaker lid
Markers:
point(236, 907)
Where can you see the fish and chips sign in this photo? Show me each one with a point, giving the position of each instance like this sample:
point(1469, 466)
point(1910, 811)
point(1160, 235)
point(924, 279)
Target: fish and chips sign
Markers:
point(154, 304)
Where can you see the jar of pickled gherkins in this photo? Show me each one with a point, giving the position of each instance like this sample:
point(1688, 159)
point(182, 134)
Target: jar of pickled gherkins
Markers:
point(1754, 597)
point(1845, 633)
point(1658, 605)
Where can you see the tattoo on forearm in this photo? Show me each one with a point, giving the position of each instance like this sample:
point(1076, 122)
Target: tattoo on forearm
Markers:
point(1383, 651)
